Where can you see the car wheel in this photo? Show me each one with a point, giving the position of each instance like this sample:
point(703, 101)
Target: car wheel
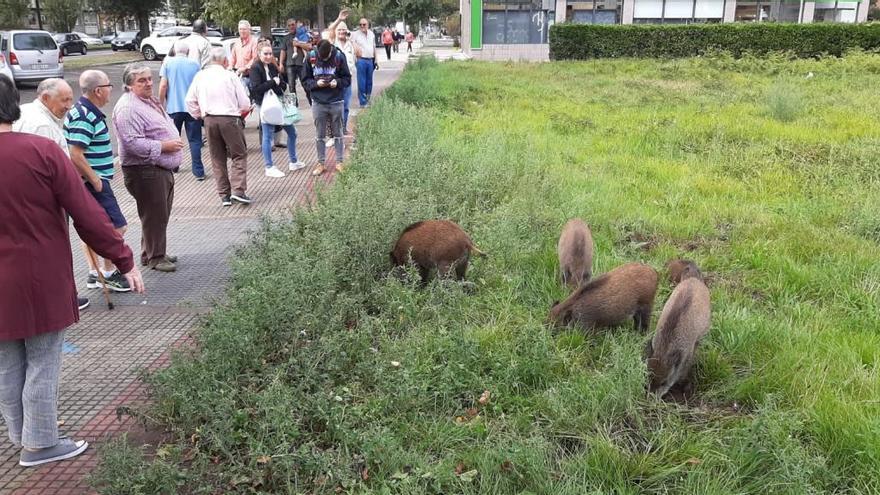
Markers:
point(114, 48)
point(149, 53)
point(83, 51)
point(64, 51)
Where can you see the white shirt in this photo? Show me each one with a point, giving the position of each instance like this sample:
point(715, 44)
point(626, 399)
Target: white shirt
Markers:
point(347, 48)
point(39, 120)
point(216, 91)
point(367, 42)
point(199, 49)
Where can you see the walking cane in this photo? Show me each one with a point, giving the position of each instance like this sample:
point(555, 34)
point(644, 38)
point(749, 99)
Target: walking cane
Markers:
point(94, 260)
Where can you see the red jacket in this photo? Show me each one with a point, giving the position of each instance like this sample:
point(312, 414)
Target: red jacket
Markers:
point(38, 184)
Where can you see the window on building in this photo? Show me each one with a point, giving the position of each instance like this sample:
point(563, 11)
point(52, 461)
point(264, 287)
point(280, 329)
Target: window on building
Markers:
point(512, 22)
point(678, 11)
point(835, 12)
point(594, 12)
point(752, 11)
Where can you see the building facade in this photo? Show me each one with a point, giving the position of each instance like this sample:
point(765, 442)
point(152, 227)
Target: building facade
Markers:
point(518, 29)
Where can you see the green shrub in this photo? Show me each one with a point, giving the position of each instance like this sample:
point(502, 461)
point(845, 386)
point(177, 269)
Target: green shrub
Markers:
point(583, 41)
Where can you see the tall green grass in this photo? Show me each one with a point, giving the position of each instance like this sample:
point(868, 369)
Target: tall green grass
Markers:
point(321, 374)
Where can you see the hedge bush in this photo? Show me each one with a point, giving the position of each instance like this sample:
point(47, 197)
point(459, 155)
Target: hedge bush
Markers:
point(582, 41)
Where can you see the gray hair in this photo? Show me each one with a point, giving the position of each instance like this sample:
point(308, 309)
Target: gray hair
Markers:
point(243, 23)
point(218, 55)
point(181, 48)
point(50, 86)
point(133, 69)
point(91, 79)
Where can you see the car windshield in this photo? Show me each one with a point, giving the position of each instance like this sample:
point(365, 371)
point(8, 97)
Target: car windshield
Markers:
point(33, 41)
point(59, 37)
point(126, 35)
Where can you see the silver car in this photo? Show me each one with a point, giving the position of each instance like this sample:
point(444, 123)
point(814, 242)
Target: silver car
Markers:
point(32, 55)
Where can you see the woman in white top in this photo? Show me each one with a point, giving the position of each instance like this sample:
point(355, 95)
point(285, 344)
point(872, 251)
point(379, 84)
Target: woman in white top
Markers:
point(339, 34)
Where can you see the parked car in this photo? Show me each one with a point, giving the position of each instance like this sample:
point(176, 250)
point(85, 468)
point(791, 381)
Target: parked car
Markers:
point(157, 45)
point(126, 40)
point(70, 43)
point(32, 55)
point(90, 40)
point(108, 37)
point(4, 67)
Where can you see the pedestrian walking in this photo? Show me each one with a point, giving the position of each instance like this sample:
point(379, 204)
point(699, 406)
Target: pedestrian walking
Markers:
point(244, 52)
point(266, 77)
point(339, 35)
point(217, 96)
point(199, 46)
point(409, 41)
point(365, 51)
point(327, 77)
point(88, 139)
point(387, 41)
point(39, 189)
point(150, 150)
point(175, 77)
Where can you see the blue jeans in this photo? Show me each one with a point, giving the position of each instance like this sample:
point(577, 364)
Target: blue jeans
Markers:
point(194, 136)
point(365, 70)
point(268, 135)
point(346, 101)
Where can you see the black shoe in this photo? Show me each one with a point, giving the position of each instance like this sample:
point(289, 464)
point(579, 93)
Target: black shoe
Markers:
point(117, 283)
point(226, 200)
point(242, 198)
point(83, 302)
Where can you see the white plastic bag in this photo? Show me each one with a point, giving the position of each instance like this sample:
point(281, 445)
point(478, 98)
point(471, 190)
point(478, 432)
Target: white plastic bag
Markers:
point(271, 111)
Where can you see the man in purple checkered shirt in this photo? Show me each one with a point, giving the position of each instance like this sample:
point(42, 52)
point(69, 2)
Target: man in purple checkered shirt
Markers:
point(150, 151)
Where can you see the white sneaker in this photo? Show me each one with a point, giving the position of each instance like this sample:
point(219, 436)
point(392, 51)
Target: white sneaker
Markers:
point(274, 172)
point(294, 166)
point(328, 142)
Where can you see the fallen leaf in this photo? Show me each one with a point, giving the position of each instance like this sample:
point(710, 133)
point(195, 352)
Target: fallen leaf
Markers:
point(459, 468)
point(693, 461)
point(507, 465)
point(263, 459)
point(365, 474)
point(468, 476)
point(484, 398)
point(396, 364)
point(472, 412)
point(399, 475)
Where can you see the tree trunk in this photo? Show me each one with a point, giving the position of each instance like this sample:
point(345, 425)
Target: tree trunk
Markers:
point(266, 27)
point(321, 24)
point(143, 20)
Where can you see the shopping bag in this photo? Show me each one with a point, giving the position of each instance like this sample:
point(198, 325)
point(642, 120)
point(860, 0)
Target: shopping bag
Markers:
point(271, 111)
point(291, 109)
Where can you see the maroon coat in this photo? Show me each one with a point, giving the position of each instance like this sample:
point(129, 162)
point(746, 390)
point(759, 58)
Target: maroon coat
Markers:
point(38, 183)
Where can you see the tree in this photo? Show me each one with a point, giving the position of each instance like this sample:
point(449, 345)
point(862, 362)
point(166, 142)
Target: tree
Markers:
point(14, 12)
point(140, 9)
point(62, 14)
point(188, 9)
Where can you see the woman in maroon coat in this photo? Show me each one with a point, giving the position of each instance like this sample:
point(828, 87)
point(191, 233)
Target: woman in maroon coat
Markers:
point(37, 293)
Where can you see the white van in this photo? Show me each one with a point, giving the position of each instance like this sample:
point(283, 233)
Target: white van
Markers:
point(32, 55)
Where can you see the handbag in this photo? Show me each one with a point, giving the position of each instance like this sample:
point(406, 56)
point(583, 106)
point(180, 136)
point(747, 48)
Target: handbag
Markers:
point(291, 109)
point(271, 111)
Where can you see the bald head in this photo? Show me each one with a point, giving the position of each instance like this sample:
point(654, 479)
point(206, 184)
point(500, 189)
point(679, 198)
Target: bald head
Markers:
point(56, 95)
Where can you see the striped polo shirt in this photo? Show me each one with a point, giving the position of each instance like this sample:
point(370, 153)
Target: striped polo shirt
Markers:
point(86, 128)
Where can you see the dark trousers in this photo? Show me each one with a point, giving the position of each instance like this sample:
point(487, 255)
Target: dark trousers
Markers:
point(294, 73)
point(226, 140)
point(194, 137)
point(388, 51)
point(153, 189)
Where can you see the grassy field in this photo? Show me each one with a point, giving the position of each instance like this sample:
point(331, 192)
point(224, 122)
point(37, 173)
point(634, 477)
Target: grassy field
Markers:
point(323, 375)
point(77, 62)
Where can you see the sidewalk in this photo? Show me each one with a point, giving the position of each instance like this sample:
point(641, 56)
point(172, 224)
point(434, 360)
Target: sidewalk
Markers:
point(106, 350)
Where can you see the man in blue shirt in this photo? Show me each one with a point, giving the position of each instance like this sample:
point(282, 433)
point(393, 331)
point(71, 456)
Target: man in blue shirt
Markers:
point(177, 74)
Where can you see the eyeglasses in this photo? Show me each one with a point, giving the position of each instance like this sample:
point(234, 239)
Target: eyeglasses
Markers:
point(104, 86)
point(363, 24)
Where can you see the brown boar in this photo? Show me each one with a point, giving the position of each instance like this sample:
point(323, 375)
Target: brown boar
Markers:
point(682, 269)
point(431, 244)
point(683, 323)
point(575, 249)
point(609, 300)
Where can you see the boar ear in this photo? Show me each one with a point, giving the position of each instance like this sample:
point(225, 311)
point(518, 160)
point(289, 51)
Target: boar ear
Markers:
point(555, 303)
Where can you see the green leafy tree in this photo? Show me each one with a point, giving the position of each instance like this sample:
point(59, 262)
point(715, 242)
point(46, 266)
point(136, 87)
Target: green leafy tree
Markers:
point(140, 9)
point(13, 13)
point(62, 14)
point(188, 9)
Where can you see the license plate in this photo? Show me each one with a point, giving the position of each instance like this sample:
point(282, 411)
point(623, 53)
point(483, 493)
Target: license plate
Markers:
point(39, 66)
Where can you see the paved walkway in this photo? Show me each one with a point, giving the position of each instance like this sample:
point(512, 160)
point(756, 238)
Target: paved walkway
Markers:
point(106, 350)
